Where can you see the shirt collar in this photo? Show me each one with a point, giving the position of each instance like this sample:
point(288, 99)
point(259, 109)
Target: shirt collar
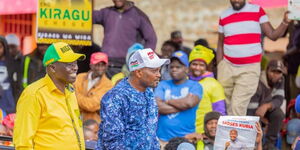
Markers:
point(90, 77)
point(51, 86)
point(126, 82)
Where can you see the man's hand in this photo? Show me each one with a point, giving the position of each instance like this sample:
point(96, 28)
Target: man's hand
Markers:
point(259, 136)
point(259, 133)
point(227, 144)
point(286, 18)
point(194, 137)
point(261, 110)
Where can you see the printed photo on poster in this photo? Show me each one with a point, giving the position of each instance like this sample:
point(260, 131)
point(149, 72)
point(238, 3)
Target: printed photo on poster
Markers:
point(236, 133)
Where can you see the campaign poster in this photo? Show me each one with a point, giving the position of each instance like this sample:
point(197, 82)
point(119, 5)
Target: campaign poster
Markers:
point(236, 133)
point(294, 8)
point(68, 21)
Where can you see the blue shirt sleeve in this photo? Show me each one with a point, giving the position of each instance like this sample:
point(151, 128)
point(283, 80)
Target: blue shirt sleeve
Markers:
point(160, 90)
point(111, 130)
point(196, 89)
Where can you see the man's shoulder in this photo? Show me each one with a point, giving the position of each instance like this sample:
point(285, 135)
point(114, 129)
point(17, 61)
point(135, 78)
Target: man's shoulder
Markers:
point(108, 8)
point(80, 78)
point(35, 87)
point(226, 13)
point(119, 91)
point(210, 81)
point(81, 75)
point(165, 84)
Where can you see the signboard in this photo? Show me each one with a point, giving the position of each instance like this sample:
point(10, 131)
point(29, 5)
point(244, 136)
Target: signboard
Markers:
point(236, 133)
point(67, 21)
point(294, 8)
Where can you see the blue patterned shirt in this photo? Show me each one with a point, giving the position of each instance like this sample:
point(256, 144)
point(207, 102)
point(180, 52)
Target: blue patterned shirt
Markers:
point(128, 119)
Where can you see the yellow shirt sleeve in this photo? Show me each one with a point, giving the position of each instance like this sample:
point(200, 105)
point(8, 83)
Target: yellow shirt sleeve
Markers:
point(27, 118)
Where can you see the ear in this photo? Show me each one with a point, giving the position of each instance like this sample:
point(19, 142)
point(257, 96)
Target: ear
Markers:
point(52, 68)
point(139, 73)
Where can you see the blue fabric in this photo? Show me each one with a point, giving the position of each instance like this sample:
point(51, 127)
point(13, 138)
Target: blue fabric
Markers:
point(7, 102)
point(293, 130)
point(128, 119)
point(297, 147)
point(181, 123)
point(297, 105)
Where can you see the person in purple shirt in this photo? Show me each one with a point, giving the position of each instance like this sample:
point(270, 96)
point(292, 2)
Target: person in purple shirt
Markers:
point(124, 24)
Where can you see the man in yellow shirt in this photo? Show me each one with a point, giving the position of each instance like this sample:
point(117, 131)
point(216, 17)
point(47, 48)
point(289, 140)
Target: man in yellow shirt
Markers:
point(48, 117)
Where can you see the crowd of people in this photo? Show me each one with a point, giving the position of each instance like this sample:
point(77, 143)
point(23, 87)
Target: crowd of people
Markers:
point(127, 95)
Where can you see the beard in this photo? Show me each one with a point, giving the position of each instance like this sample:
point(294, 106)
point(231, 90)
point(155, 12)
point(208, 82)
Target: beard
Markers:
point(237, 6)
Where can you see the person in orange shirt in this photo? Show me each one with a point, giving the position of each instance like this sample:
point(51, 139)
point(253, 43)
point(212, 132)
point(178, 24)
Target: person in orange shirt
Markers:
point(91, 86)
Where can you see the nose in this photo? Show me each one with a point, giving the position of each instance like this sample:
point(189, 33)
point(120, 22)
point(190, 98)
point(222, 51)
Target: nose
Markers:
point(214, 125)
point(75, 67)
point(158, 75)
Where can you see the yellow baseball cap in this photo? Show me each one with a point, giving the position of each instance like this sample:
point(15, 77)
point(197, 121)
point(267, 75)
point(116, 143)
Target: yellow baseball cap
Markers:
point(200, 52)
point(61, 52)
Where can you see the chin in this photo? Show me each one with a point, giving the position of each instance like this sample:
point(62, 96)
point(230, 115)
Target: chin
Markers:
point(154, 85)
point(71, 80)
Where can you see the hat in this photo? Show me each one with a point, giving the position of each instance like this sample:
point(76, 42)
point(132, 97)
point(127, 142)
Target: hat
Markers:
point(276, 65)
point(182, 57)
point(176, 34)
point(293, 130)
point(213, 115)
point(12, 39)
point(98, 57)
point(145, 58)
point(186, 146)
point(200, 52)
point(132, 49)
point(61, 52)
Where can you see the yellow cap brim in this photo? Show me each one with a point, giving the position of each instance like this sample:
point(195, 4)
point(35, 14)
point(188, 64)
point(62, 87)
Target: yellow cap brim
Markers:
point(73, 57)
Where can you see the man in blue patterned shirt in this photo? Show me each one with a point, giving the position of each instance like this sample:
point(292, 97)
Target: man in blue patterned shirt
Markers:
point(129, 112)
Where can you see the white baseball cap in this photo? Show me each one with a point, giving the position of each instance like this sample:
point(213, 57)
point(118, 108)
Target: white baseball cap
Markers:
point(12, 39)
point(145, 58)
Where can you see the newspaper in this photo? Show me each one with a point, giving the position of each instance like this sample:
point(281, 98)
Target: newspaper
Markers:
point(236, 133)
point(294, 8)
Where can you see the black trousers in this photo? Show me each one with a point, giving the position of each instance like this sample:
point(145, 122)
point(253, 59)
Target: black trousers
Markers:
point(275, 118)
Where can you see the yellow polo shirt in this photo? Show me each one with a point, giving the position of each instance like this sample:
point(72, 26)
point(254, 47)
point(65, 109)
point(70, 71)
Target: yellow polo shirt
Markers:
point(47, 119)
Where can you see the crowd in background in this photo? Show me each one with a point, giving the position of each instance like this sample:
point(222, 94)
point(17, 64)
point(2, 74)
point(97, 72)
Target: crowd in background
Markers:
point(196, 88)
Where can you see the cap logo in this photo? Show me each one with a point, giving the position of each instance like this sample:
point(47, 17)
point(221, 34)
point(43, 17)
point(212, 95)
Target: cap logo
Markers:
point(150, 55)
point(134, 63)
point(99, 57)
point(178, 54)
point(65, 48)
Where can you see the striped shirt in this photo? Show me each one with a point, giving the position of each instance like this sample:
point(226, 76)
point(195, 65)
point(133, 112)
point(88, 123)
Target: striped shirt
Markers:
point(242, 34)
